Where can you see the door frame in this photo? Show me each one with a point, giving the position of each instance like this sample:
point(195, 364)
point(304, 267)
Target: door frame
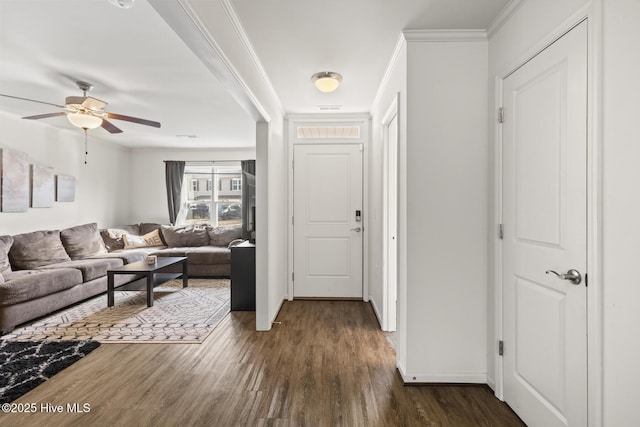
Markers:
point(389, 284)
point(592, 14)
point(363, 121)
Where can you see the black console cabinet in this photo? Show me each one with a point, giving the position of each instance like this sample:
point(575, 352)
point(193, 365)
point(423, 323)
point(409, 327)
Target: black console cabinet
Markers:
point(243, 277)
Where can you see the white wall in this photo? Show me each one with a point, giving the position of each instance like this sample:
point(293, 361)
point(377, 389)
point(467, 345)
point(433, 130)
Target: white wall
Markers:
point(102, 185)
point(148, 189)
point(621, 211)
point(444, 188)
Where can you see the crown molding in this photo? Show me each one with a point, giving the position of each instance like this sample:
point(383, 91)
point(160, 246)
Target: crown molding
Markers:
point(445, 35)
point(393, 62)
point(505, 14)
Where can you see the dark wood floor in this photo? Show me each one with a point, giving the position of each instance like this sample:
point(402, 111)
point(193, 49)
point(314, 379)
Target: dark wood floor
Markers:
point(326, 364)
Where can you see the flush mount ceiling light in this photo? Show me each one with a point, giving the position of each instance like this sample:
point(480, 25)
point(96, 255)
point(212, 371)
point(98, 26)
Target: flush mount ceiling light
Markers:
point(326, 81)
point(124, 4)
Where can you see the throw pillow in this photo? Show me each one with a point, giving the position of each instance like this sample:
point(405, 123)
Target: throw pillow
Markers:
point(112, 237)
point(1, 278)
point(82, 241)
point(148, 240)
point(185, 236)
point(33, 250)
point(5, 246)
point(222, 236)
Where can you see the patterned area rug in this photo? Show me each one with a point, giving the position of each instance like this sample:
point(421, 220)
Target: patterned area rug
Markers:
point(24, 365)
point(178, 315)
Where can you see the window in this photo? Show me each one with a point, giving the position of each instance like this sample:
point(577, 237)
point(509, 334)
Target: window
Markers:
point(211, 194)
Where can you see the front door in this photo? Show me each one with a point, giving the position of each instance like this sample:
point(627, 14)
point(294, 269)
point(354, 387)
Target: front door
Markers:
point(328, 221)
point(545, 235)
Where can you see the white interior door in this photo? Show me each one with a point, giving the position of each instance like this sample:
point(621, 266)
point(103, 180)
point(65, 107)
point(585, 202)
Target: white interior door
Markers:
point(545, 228)
point(327, 230)
point(390, 223)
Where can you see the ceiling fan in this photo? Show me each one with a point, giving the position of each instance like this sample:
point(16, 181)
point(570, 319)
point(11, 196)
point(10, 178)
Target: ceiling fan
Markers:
point(86, 112)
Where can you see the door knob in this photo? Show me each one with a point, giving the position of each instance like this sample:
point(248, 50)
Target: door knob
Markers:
point(572, 275)
point(357, 229)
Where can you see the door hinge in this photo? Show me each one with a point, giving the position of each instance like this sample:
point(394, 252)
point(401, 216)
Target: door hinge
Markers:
point(500, 231)
point(586, 280)
point(501, 115)
point(500, 348)
point(361, 147)
point(291, 220)
point(292, 276)
point(292, 164)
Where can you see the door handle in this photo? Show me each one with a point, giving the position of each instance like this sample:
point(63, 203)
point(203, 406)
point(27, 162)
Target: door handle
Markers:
point(572, 275)
point(357, 229)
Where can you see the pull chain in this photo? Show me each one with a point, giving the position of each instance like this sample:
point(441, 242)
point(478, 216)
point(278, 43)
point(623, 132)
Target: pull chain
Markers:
point(86, 150)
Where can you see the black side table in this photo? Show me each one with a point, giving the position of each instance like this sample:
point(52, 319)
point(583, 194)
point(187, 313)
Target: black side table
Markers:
point(243, 277)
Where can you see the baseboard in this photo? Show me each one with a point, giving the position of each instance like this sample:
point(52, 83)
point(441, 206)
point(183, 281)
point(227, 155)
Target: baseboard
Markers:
point(446, 378)
point(375, 310)
point(491, 383)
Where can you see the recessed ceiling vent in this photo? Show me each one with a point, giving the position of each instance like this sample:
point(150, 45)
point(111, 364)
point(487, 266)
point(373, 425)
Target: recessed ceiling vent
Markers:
point(328, 132)
point(329, 107)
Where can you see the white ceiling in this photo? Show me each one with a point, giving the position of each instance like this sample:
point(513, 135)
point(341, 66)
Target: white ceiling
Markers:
point(141, 67)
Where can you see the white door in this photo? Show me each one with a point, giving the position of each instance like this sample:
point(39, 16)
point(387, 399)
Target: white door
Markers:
point(545, 226)
point(390, 223)
point(327, 236)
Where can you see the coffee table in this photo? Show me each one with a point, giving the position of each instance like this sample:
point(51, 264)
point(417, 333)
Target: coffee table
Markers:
point(152, 272)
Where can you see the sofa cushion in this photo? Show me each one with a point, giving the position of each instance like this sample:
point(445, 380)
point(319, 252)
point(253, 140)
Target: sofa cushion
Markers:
point(5, 246)
point(82, 241)
point(222, 236)
point(185, 236)
point(25, 285)
point(208, 255)
point(148, 227)
point(128, 256)
point(32, 250)
point(1, 278)
point(148, 240)
point(90, 268)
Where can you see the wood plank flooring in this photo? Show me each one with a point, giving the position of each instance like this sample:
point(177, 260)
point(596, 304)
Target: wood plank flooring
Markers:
point(326, 364)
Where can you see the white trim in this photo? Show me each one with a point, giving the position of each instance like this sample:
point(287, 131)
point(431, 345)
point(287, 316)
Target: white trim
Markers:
point(389, 293)
point(445, 35)
point(451, 377)
point(181, 17)
point(592, 12)
point(595, 297)
point(497, 297)
point(503, 17)
point(393, 62)
point(376, 310)
point(251, 53)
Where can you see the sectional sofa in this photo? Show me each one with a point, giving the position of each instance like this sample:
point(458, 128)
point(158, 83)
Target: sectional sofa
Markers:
point(46, 270)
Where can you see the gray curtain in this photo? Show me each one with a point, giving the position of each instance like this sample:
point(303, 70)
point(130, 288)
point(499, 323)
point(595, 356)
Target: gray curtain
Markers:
point(248, 198)
point(174, 172)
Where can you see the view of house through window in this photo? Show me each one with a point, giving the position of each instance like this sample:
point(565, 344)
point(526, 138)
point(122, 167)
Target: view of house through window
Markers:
point(211, 194)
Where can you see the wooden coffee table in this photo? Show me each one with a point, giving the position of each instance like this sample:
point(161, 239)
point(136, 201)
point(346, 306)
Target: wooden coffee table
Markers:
point(154, 275)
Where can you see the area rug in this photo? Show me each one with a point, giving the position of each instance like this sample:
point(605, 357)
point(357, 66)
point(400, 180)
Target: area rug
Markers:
point(24, 365)
point(178, 315)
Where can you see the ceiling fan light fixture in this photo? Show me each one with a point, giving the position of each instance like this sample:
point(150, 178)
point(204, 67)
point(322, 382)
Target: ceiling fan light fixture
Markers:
point(84, 120)
point(326, 81)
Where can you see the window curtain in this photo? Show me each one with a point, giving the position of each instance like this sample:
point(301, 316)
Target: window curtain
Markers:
point(174, 173)
point(248, 197)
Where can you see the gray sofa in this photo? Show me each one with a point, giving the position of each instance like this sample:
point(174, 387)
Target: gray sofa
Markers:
point(44, 271)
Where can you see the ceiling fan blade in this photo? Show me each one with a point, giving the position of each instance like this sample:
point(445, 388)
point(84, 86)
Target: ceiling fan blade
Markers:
point(133, 119)
point(44, 116)
point(32, 100)
point(94, 104)
point(109, 127)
